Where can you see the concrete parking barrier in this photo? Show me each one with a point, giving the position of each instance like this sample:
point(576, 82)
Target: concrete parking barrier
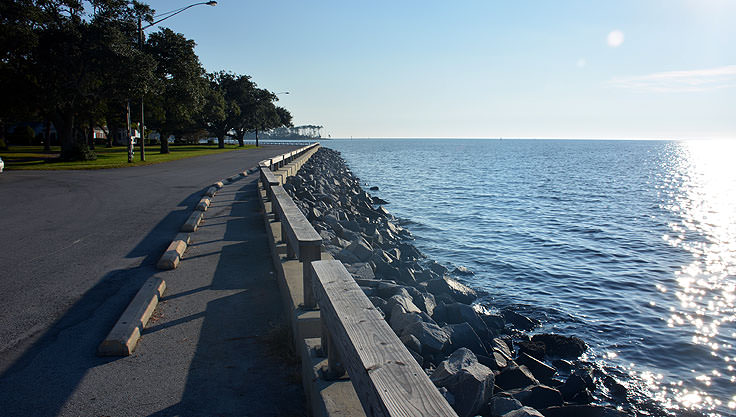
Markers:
point(211, 192)
point(192, 222)
point(204, 204)
point(124, 336)
point(170, 259)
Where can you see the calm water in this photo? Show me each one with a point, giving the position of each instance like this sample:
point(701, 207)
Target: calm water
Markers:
point(630, 245)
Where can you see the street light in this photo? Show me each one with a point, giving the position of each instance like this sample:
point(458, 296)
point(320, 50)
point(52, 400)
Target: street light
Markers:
point(140, 44)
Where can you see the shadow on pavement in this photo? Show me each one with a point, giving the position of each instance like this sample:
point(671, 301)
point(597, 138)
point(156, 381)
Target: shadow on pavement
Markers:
point(44, 376)
point(234, 370)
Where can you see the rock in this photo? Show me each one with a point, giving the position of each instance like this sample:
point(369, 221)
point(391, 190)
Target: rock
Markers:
point(582, 397)
point(515, 377)
point(401, 319)
point(583, 411)
point(387, 271)
point(425, 302)
point(411, 343)
point(363, 271)
point(432, 337)
point(495, 361)
point(462, 271)
point(453, 288)
point(437, 268)
point(462, 335)
point(383, 212)
point(406, 276)
point(378, 302)
point(538, 396)
point(346, 256)
point(526, 412)
point(361, 249)
point(499, 405)
point(566, 347)
point(494, 322)
point(314, 214)
point(378, 201)
point(534, 349)
point(469, 382)
point(577, 382)
point(374, 188)
point(540, 370)
point(519, 321)
point(463, 313)
point(499, 344)
point(405, 301)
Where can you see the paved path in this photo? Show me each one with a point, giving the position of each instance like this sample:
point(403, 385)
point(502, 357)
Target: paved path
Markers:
point(204, 353)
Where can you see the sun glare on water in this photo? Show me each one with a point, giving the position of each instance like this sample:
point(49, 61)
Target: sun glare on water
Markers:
point(703, 196)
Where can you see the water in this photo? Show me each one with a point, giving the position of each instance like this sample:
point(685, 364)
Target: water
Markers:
point(630, 245)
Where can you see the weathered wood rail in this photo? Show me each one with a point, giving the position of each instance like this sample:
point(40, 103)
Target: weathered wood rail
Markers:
point(386, 378)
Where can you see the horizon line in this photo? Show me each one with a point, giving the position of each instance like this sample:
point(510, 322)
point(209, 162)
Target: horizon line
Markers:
point(533, 138)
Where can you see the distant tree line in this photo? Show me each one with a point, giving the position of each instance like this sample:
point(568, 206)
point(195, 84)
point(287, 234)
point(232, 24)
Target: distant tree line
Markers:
point(292, 132)
point(79, 65)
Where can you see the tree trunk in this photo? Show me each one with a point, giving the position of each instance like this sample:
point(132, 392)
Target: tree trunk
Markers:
point(240, 134)
point(221, 141)
point(92, 135)
point(164, 142)
point(65, 131)
point(256, 138)
point(47, 137)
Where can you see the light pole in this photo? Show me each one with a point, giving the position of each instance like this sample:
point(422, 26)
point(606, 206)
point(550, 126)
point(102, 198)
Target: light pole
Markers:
point(140, 44)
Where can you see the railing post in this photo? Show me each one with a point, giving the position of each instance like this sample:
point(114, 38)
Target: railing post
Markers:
point(307, 254)
point(335, 368)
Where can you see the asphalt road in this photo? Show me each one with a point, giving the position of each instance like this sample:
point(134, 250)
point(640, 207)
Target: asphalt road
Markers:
point(78, 243)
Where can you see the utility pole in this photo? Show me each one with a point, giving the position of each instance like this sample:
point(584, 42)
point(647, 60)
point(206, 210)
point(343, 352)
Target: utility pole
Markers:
point(130, 133)
point(143, 123)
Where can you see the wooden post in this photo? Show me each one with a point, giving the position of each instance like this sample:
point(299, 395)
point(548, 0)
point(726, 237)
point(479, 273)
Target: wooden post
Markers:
point(307, 254)
point(335, 368)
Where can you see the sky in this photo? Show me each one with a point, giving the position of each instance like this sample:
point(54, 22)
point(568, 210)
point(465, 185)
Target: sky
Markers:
point(641, 69)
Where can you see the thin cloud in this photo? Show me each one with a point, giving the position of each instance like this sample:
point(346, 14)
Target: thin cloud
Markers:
point(680, 81)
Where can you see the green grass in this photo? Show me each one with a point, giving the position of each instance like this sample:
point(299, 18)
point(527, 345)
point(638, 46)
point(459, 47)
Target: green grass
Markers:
point(34, 157)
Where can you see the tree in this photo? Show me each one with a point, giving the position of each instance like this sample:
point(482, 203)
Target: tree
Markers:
point(237, 92)
point(178, 94)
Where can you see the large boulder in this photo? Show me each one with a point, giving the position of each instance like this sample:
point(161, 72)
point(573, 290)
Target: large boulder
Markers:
point(583, 411)
point(527, 412)
point(401, 319)
point(500, 405)
point(452, 288)
point(566, 347)
point(470, 382)
point(540, 370)
point(515, 377)
point(432, 337)
point(519, 321)
point(538, 396)
point(463, 335)
point(462, 313)
point(361, 249)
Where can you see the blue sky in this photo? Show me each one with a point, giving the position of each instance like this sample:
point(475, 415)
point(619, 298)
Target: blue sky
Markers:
point(482, 69)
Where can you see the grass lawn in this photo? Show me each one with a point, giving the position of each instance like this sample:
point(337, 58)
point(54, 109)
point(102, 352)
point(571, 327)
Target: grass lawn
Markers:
point(33, 157)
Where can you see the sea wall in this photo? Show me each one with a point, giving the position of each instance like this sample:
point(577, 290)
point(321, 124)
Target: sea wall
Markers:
point(484, 361)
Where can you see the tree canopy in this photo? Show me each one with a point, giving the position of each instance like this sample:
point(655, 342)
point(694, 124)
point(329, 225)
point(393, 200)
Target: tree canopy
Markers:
point(79, 64)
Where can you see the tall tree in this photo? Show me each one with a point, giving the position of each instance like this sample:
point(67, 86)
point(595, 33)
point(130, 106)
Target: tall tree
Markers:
point(179, 86)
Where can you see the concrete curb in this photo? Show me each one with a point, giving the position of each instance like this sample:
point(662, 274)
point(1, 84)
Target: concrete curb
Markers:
point(203, 204)
point(192, 222)
point(124, 336)
point(218, 184)
point(211, 191)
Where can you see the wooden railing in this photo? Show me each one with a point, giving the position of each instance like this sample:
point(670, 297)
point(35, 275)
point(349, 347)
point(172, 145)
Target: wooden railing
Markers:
point(302, 241)
point(386, 377)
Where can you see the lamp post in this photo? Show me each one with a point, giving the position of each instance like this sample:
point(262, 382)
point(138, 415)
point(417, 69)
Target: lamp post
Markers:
point(140, 44)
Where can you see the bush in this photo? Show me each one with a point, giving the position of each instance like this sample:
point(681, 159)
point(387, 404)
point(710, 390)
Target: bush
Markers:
point(78, 152)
